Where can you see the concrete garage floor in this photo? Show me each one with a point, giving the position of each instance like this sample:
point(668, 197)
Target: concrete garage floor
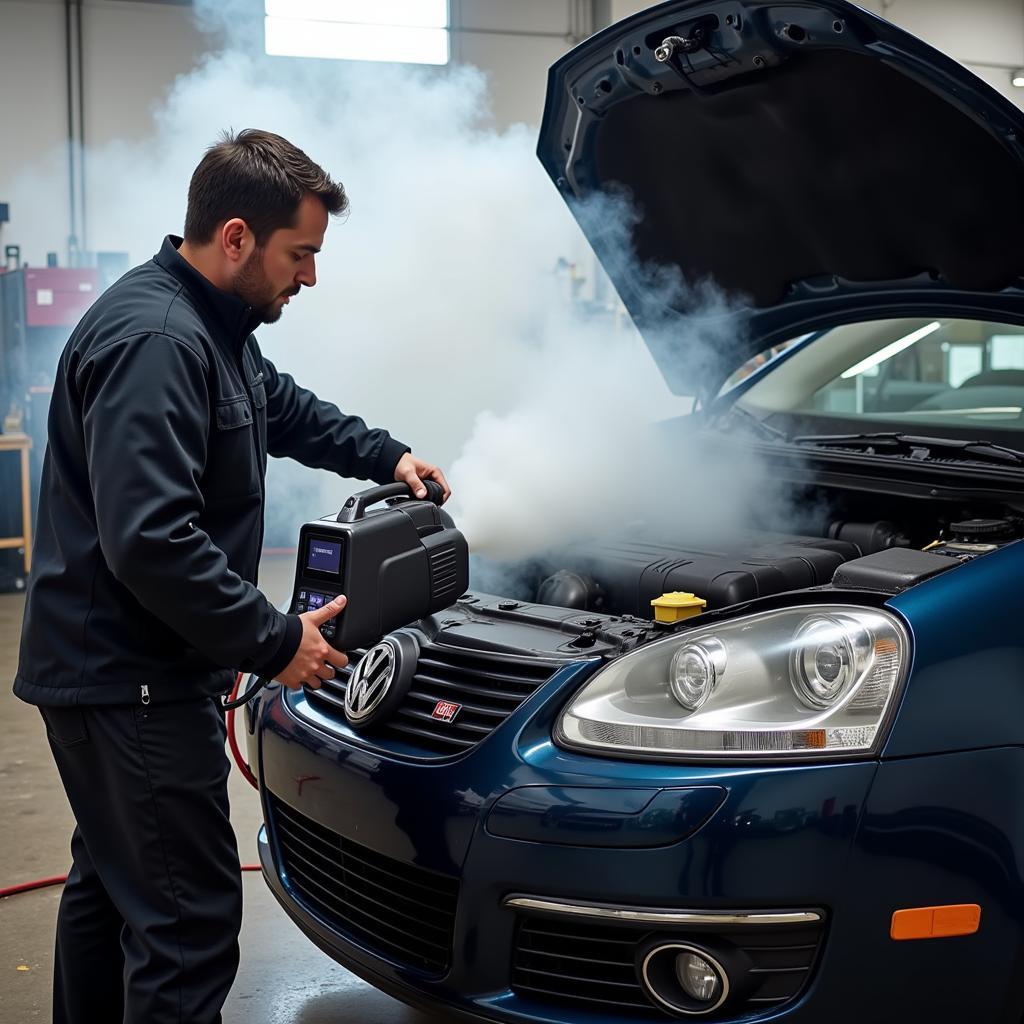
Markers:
point(283, 978)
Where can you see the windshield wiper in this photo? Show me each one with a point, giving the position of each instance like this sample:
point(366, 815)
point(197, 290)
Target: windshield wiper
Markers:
point(918, 448)
point(748, 419)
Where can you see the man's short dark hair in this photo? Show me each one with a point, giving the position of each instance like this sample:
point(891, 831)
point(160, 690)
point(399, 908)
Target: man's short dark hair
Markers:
point(259, 177)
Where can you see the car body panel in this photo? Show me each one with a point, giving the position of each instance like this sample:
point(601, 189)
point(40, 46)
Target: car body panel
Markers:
point(966, 688)
point(602, 817)
point(939, 831)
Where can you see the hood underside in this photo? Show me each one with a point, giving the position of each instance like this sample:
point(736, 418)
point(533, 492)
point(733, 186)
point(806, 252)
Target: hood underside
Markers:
point(814, 162)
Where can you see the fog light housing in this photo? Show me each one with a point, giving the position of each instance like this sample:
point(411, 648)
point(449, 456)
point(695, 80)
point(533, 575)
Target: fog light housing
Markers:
point(684, 979)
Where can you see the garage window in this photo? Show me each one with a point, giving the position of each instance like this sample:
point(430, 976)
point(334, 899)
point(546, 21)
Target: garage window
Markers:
point(399, 31)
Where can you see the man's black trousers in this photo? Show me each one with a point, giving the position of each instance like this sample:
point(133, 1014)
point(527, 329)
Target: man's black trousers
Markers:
point(148, 924)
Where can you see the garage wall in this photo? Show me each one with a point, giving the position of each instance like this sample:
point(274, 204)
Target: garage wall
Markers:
point(33, 114)
point(134, 49)
point(986, 35)
point(516, 42)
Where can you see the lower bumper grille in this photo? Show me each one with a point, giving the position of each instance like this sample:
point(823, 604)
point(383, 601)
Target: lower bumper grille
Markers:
point(581, 964)
point(404, 912)
point(572, 962)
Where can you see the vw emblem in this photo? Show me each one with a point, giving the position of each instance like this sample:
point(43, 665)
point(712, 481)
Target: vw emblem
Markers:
point(370, 682)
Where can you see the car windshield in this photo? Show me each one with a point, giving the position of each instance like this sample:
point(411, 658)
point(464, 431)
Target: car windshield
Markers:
point(901, 374)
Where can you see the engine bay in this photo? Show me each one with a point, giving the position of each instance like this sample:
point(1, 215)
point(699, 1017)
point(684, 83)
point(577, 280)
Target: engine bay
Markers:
point(620, 576)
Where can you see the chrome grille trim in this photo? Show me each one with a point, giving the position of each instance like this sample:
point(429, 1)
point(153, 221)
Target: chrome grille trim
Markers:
point(653, 915)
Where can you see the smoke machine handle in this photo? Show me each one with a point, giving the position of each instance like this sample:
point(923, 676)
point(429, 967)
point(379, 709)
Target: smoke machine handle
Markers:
point(354, 508)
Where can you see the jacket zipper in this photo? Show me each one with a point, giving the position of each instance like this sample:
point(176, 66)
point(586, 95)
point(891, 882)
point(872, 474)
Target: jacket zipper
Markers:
point(256, 452)
point(145, 693)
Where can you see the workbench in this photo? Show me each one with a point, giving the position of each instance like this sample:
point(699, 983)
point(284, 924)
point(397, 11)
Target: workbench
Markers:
point(21, 444)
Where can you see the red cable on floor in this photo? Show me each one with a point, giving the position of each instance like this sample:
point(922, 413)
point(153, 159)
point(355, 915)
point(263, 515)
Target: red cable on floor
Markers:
point(39, 883)
point(43, 883)
point(236, 753)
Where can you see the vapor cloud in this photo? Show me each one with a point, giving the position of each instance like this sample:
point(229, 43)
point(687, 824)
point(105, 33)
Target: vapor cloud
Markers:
point(440, 312)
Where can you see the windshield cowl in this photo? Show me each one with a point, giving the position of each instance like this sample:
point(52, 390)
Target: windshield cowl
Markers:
point(918, 449)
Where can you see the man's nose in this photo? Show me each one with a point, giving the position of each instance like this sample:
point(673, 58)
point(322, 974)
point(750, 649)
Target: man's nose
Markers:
point(307, 275)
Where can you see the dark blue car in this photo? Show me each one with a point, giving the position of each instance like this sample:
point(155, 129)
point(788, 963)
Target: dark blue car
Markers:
point(771, 776)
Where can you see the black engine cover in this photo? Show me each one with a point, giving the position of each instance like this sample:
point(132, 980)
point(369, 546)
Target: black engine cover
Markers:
point(633, 573)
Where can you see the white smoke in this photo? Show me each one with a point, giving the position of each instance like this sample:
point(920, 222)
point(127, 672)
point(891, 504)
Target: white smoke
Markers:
point(439, 312)
point(584, 450)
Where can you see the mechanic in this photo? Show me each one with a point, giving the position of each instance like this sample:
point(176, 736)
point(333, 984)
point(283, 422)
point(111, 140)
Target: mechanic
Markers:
point(142, 600)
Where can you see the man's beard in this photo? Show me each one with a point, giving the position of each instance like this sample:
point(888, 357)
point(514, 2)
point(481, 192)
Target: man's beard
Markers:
point(253, 288)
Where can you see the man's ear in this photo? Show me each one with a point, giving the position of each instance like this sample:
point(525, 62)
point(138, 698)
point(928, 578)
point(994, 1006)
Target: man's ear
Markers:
point(236, 239)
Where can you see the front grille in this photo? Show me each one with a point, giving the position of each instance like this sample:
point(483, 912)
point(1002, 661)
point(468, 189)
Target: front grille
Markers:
point(402, 911)
point(487, 686)
point(578, 963)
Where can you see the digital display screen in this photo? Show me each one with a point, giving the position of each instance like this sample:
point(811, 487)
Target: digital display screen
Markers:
point(324, 556)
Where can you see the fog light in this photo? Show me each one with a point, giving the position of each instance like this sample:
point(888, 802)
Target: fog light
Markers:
point(699, 979)
point(685, 979)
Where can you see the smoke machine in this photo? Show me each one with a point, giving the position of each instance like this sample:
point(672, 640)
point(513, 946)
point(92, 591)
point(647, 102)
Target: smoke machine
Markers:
point(395, 565)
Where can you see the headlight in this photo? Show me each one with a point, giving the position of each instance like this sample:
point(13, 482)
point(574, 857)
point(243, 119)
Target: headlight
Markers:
point(818, 680)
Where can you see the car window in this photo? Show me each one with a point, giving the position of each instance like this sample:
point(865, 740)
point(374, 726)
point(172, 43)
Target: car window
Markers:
point(755, 363)
point(941, 371)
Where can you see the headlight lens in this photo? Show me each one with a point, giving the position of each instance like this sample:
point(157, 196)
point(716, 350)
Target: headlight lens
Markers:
point(830, 653)
point(694, 672)
point(797, 681)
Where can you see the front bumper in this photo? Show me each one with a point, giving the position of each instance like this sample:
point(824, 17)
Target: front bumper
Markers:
point(853, 841)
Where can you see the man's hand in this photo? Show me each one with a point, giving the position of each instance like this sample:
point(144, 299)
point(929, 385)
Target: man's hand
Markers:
point(411, 471)
point(315, 656)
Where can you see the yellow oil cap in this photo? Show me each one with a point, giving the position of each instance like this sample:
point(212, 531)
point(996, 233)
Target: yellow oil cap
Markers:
point(676, 606)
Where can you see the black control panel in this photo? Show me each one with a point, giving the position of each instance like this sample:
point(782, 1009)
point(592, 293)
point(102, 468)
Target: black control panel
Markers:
point(310, 600)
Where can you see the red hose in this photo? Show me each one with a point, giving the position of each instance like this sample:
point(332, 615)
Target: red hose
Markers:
point(236, 753)
point(39, 883)
point(43, 883)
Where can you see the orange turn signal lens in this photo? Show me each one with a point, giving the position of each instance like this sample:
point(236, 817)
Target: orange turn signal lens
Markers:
point(935, 922)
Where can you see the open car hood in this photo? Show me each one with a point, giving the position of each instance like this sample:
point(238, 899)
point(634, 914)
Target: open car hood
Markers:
point(815, 162)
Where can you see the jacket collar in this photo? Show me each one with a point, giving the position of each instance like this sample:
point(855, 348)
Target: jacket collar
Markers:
point(227, 317)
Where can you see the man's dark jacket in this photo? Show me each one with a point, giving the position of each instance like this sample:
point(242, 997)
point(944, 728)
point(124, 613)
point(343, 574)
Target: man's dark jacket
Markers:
point(151, 506)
